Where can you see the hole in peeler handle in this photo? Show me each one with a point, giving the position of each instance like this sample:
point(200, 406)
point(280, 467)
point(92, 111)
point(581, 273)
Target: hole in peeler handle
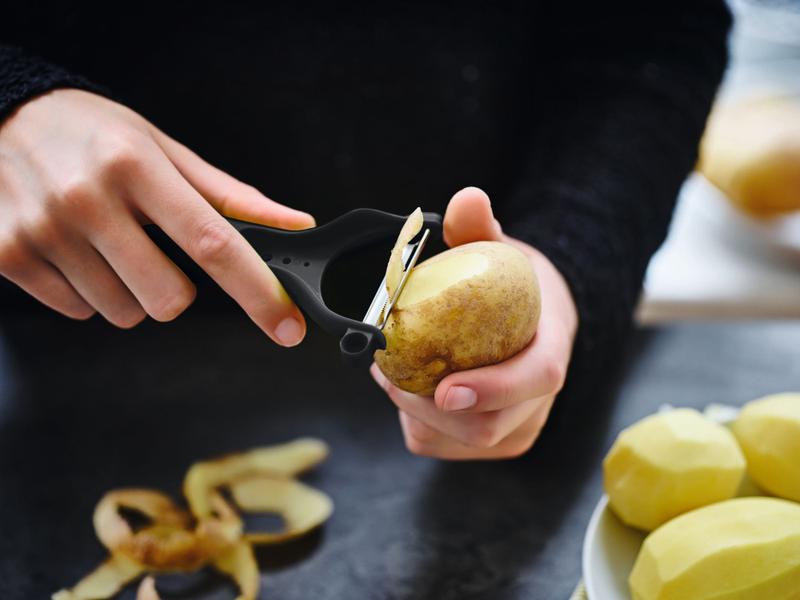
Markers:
point(354, 342)
point(357, 346)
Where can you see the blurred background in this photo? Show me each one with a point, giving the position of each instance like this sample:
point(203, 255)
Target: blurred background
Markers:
point(734, 244)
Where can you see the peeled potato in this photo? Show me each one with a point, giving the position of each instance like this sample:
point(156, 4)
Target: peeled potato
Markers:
point(751, 151)
point(768, 431)
point(742, 549)
point(470, 306)
point(668, 464)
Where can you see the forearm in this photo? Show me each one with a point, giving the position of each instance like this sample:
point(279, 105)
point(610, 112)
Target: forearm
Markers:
point(625, 110)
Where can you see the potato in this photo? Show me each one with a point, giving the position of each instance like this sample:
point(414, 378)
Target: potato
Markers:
point(470, 306)
point(768, 431)
point(668, 464)
point(741, 549)
point(751, 151)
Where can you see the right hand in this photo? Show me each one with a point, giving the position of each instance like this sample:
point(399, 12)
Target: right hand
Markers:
point(80, 175)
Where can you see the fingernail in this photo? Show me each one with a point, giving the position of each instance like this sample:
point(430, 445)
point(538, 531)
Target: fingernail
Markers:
point(459, 397)
point(497, 227)
point(289, 332)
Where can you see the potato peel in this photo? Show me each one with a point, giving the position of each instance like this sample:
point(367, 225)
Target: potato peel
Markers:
point(175, 540)
point(105, 581)
point(113, 530)
point(395, 268)
point(168, 544)
point(287, 460)
point(147, 589)
point(239, 563)
point(302, 507)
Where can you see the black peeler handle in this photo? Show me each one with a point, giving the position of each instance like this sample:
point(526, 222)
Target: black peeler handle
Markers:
point(299, 260)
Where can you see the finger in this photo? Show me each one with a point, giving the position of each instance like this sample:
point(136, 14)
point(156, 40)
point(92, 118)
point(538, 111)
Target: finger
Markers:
point(42, 281)
point(469, 218)
point(157, 283)
point(422, 440)
point(535, 371)
point(93, 279)
point(480, 430)
point(184, 215)
point(227, 194)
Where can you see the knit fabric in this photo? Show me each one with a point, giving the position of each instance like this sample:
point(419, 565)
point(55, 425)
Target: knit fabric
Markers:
point(580, 121)
point(23, 77)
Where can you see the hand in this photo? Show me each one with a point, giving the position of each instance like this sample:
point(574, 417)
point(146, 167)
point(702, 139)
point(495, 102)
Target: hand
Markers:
point(495, 411)
point(80, 175)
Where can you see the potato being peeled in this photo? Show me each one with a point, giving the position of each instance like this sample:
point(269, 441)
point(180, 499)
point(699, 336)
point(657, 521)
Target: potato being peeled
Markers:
point(471, 306)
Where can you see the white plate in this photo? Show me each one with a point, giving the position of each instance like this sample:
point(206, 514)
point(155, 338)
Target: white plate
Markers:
point(609, 551)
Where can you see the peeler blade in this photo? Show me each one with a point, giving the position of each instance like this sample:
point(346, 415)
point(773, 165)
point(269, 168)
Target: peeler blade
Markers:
point(381, 306)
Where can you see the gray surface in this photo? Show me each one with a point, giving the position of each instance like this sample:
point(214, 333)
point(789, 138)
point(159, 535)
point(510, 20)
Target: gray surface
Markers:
point(84, 408)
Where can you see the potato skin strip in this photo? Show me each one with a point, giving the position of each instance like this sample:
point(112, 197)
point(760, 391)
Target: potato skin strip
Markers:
point(239, 563)
point(147, 589)
point(168, 544)
point(105, 581)
point(303, 508)
point(394, 270)
point(113, 530)
point(176, 540)
point(287, 460)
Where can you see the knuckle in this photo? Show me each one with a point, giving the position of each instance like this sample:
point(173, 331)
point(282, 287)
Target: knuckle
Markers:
point(44, 232)
point(120, 153)
point(484, 433)
point(421, 432)
point(230, 195)
point(520, 447)
point(414, 446)
point(13, 258)
point(213, 243)
point(554, 372)
point(79, 198)
point(170, 306)
point(77, 191)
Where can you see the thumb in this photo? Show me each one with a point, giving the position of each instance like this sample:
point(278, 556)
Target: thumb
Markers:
point(227, 194)
point(469, 218)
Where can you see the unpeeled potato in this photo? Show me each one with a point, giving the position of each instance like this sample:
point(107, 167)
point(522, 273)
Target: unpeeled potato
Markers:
point(470, 306)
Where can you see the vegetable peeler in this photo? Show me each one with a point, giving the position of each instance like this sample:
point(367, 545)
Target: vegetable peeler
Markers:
point(299, 260)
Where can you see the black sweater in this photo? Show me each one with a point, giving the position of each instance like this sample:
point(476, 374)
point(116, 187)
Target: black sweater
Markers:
point(580, 122)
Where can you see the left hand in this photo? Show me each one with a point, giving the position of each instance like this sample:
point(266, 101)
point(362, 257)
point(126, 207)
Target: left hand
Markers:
point(496, 411)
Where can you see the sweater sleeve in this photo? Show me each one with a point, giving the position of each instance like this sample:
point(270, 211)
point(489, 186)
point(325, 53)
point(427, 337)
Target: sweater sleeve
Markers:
point(624, 108)
point(23, 76)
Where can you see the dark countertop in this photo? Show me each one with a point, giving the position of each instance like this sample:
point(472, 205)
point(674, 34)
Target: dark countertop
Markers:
point(85, 408)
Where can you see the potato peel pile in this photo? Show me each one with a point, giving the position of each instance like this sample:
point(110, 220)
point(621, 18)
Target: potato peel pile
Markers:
point(211, 533)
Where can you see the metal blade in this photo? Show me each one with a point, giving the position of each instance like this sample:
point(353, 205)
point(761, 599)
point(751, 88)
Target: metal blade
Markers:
point(381, 306)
